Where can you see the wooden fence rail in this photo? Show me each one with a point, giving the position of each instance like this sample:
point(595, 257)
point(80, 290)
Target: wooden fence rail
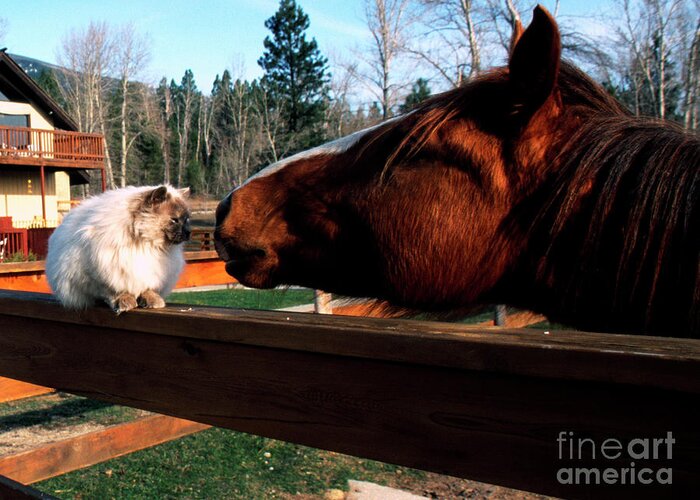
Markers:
point(495, 405)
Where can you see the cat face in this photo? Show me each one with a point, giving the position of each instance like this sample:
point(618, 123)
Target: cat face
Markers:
point(162, 217)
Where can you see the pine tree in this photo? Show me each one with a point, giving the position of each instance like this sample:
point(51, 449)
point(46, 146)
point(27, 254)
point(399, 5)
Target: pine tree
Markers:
point(419, 93)
point(185, 99)
point(49, 84)
point(374, 113)
point(296, 75)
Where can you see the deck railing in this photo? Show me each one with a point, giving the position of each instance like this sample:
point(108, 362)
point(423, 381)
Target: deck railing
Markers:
point(37, 222)
point(30, 146)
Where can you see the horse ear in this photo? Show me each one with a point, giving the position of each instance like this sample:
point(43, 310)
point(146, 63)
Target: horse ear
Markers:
point(517, 33)
point(534, 62)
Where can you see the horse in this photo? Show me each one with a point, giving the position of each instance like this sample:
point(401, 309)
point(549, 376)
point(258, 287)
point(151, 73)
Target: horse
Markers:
point(529, 186)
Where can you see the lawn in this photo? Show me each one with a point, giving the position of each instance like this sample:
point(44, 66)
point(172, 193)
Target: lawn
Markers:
point(223, 464)
point(246, 298)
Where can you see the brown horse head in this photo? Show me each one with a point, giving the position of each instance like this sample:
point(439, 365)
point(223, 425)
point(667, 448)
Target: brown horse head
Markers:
point(483, 194)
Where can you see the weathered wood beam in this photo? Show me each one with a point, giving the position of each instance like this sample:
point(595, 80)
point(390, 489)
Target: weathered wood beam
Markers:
point(74, 453)
point(11, 390)
point(474, 402)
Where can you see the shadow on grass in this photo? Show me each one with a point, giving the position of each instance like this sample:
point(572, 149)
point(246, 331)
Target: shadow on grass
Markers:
point(55, 414)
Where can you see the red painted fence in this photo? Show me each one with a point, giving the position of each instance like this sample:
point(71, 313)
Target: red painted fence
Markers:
point(12, 240)
point(38, 240)
point(15, 240)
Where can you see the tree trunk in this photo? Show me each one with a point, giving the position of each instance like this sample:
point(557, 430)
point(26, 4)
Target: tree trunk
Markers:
point(122, 119)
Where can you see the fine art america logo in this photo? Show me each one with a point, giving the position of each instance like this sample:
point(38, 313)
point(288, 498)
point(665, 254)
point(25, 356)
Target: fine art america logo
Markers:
point(639, 461)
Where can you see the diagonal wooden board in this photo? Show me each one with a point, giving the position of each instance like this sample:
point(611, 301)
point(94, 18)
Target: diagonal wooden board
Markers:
point(88, 449)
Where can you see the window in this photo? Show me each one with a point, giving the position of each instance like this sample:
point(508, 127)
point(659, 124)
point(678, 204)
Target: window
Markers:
point(14, 120)
point(14, 139)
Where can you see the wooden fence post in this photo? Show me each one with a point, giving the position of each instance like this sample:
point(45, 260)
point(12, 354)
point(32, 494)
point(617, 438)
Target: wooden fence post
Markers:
point(499, 315)
point(322, 302)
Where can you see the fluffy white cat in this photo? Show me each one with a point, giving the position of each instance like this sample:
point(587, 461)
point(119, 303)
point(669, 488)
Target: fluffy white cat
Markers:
point(123, 247)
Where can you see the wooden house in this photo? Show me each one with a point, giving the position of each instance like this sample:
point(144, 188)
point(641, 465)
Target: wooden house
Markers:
point(41, 152)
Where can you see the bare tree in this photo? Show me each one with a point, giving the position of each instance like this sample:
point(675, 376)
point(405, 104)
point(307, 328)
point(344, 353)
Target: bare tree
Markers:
point(185, 103)
point(86, 56)
point(454, 29)
point(340, 119)
point(504, 15)
point(648, 31)
point(271, 125)
point(691, 83)
point(206, 111)
point(387, 22)
point(162, 106)
point(514, 13)
point(131, 55)
point(246, 130)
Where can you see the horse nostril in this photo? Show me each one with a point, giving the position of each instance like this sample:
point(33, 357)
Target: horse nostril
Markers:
point(231, 250)
point(221, 249)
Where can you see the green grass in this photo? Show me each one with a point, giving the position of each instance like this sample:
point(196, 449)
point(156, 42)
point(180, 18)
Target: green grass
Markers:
point(222, 464)
point(245, 299)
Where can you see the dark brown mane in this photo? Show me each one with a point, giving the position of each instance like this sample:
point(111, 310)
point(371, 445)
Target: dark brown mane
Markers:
point(633, 183)
point(578, 91)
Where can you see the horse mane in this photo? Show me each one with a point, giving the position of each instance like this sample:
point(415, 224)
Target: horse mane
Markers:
point(418, 125)
point(631, 187)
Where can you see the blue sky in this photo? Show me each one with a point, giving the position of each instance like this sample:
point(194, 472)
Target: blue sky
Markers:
point(205, 36)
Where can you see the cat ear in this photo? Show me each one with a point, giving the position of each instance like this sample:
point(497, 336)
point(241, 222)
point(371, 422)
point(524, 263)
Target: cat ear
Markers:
point(184, 192)
point(156, 197)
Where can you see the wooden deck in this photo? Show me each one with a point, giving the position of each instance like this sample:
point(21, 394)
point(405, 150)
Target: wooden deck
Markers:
point(51, 148)
point(483, 403)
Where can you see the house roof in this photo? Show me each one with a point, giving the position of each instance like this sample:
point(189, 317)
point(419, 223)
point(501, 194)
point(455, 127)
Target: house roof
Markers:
point(12, 74)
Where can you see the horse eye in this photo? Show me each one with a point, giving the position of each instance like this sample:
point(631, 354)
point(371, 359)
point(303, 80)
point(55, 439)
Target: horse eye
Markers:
point(174, 220)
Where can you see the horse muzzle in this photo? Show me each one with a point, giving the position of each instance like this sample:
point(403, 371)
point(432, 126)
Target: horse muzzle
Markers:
point(251, 265)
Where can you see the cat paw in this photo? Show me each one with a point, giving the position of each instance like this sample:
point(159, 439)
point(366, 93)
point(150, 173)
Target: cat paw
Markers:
point(151, 300)
point(124, 302)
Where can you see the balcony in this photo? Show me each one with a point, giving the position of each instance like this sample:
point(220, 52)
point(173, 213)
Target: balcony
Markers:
point(50, 148)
